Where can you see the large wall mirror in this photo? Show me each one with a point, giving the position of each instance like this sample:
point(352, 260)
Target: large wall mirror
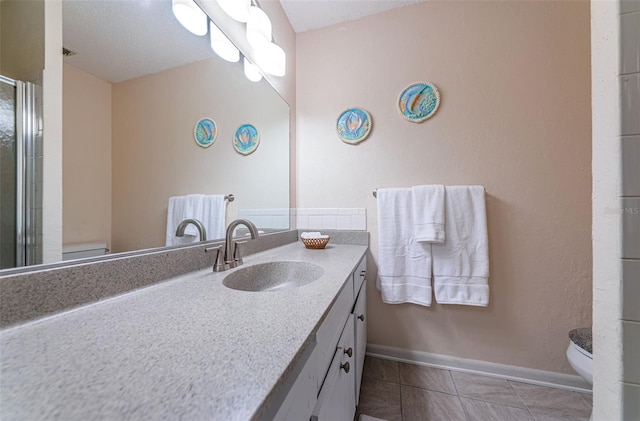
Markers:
point(134, 86)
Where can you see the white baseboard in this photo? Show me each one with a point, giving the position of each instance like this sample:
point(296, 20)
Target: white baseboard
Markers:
point(501, 371)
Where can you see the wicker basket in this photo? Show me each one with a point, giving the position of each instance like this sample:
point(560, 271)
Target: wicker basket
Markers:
point(315, 243)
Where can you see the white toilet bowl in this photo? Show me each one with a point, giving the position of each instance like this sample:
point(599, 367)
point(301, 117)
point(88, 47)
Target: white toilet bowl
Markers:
point(581, 361)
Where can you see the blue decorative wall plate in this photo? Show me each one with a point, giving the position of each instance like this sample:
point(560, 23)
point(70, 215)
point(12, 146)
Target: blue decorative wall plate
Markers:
point(419, 101)
point(246, 139)
point(353, 125)
point(205, 132)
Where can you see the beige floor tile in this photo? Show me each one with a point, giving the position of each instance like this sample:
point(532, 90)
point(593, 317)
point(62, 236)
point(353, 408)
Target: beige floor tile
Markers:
point(427, 378)
point(381, 369)
point(427, 405)
point(486, 389)
point(380, 399)
point(487, 411)
point(547, 403)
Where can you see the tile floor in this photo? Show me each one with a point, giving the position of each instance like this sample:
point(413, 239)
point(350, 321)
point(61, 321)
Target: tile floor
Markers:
point(405, 392)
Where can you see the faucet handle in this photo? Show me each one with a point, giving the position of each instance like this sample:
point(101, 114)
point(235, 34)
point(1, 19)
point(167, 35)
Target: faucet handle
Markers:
point(237, 252)
point(218, 265)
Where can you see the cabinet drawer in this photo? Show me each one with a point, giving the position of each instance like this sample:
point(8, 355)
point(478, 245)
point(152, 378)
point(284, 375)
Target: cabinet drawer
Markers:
point(359, 275)
point(337, 396)
point(360, 322)
point(329, 332)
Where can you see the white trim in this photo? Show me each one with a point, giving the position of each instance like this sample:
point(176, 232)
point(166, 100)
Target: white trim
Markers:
point(485, 368)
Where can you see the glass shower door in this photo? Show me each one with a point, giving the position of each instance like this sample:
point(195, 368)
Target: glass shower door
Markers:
point(20, 174)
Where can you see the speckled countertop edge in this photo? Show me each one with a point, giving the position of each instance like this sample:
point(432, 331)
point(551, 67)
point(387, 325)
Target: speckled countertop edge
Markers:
point(188, 347)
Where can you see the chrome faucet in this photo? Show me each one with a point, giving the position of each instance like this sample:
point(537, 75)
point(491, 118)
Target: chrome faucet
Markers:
point(183, 225)
point(231, 257)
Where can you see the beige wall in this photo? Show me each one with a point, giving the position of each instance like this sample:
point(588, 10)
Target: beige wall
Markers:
point(22, 39)
point(515, 117)
point(86, 157)
point(155, 156)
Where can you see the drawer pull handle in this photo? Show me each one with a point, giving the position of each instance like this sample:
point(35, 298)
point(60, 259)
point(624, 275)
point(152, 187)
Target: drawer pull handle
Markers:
point(345, 367)
point(349, 352)
point(362, 273)
point(361, 317)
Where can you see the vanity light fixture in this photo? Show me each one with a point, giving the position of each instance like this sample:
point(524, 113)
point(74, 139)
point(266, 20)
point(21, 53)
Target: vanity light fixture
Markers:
point(251, 71)
point(258, 28)
point(221, 45)
point(190, 16)
point(236, 9)
point(272, 59)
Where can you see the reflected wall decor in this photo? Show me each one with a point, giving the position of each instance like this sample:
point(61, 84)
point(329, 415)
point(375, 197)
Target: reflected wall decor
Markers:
point(246, 139)
point(205, 132)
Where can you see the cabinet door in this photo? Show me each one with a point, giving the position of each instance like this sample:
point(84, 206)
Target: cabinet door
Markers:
point(360, 322)
point(337, 401)
point(302, 396)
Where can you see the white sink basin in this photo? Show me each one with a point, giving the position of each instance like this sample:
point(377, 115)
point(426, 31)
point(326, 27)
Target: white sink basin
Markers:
point(273, 276)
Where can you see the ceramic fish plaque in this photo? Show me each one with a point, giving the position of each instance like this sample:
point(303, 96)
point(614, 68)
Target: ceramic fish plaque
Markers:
point(419, 101)
point(353, 125)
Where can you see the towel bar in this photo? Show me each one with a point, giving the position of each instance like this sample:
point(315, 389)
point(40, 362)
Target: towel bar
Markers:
point(375, 193)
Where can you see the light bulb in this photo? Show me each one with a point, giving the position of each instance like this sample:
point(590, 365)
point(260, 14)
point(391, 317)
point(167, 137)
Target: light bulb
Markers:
point(251, 71)
point(258, 28)
point(222, 46)
point(236, 9)
point(190, 16)
point(272, 59)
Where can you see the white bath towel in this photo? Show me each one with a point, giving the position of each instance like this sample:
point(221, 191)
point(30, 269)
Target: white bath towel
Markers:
point(461, 264)
point(404, 265)
point(208, 209)
point(428, 213)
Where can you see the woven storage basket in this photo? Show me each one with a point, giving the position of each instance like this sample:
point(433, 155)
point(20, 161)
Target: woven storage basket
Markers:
point(315, 243)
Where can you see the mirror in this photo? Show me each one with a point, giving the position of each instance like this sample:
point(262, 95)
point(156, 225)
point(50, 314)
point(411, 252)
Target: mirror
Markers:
point(133, 89)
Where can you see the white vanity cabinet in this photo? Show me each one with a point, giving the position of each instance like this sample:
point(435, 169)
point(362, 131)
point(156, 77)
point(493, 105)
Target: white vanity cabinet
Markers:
point(327, 386)
point(340, 389)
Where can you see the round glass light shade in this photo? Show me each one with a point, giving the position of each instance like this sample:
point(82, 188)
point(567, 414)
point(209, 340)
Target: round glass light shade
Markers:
point(258, 28)
point(251, 71)
point(272, 59)
point(236, 9)
point(222, 46)
point(190, 16)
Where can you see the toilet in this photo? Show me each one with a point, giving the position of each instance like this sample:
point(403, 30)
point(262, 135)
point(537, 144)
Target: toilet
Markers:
point(579, 352)
point(81, 251)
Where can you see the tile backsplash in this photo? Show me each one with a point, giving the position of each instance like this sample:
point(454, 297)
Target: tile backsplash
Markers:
point(354, 219)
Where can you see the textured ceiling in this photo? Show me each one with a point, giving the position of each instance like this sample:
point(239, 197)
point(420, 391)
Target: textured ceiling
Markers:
point(305, 15)
point(120, 40)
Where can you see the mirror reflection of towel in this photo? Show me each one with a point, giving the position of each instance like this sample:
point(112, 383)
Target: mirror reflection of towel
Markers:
point(208, 209)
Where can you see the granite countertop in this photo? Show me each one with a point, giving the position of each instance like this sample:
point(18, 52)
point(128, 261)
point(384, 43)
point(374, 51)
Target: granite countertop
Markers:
point(186, 348)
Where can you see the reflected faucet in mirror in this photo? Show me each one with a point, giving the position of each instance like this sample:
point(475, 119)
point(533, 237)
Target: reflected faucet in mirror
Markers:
point(232, 256)
point(183, 225)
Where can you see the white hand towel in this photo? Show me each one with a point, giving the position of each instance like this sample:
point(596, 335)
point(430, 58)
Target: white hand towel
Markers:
point(208, 209)
point(213, 214)
point(178, 210)
point(461, 264)
point(404, 265)
point(428, 213)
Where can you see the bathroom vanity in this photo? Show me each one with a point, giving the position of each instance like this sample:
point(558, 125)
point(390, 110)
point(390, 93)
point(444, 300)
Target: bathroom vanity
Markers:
point(191, 348)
